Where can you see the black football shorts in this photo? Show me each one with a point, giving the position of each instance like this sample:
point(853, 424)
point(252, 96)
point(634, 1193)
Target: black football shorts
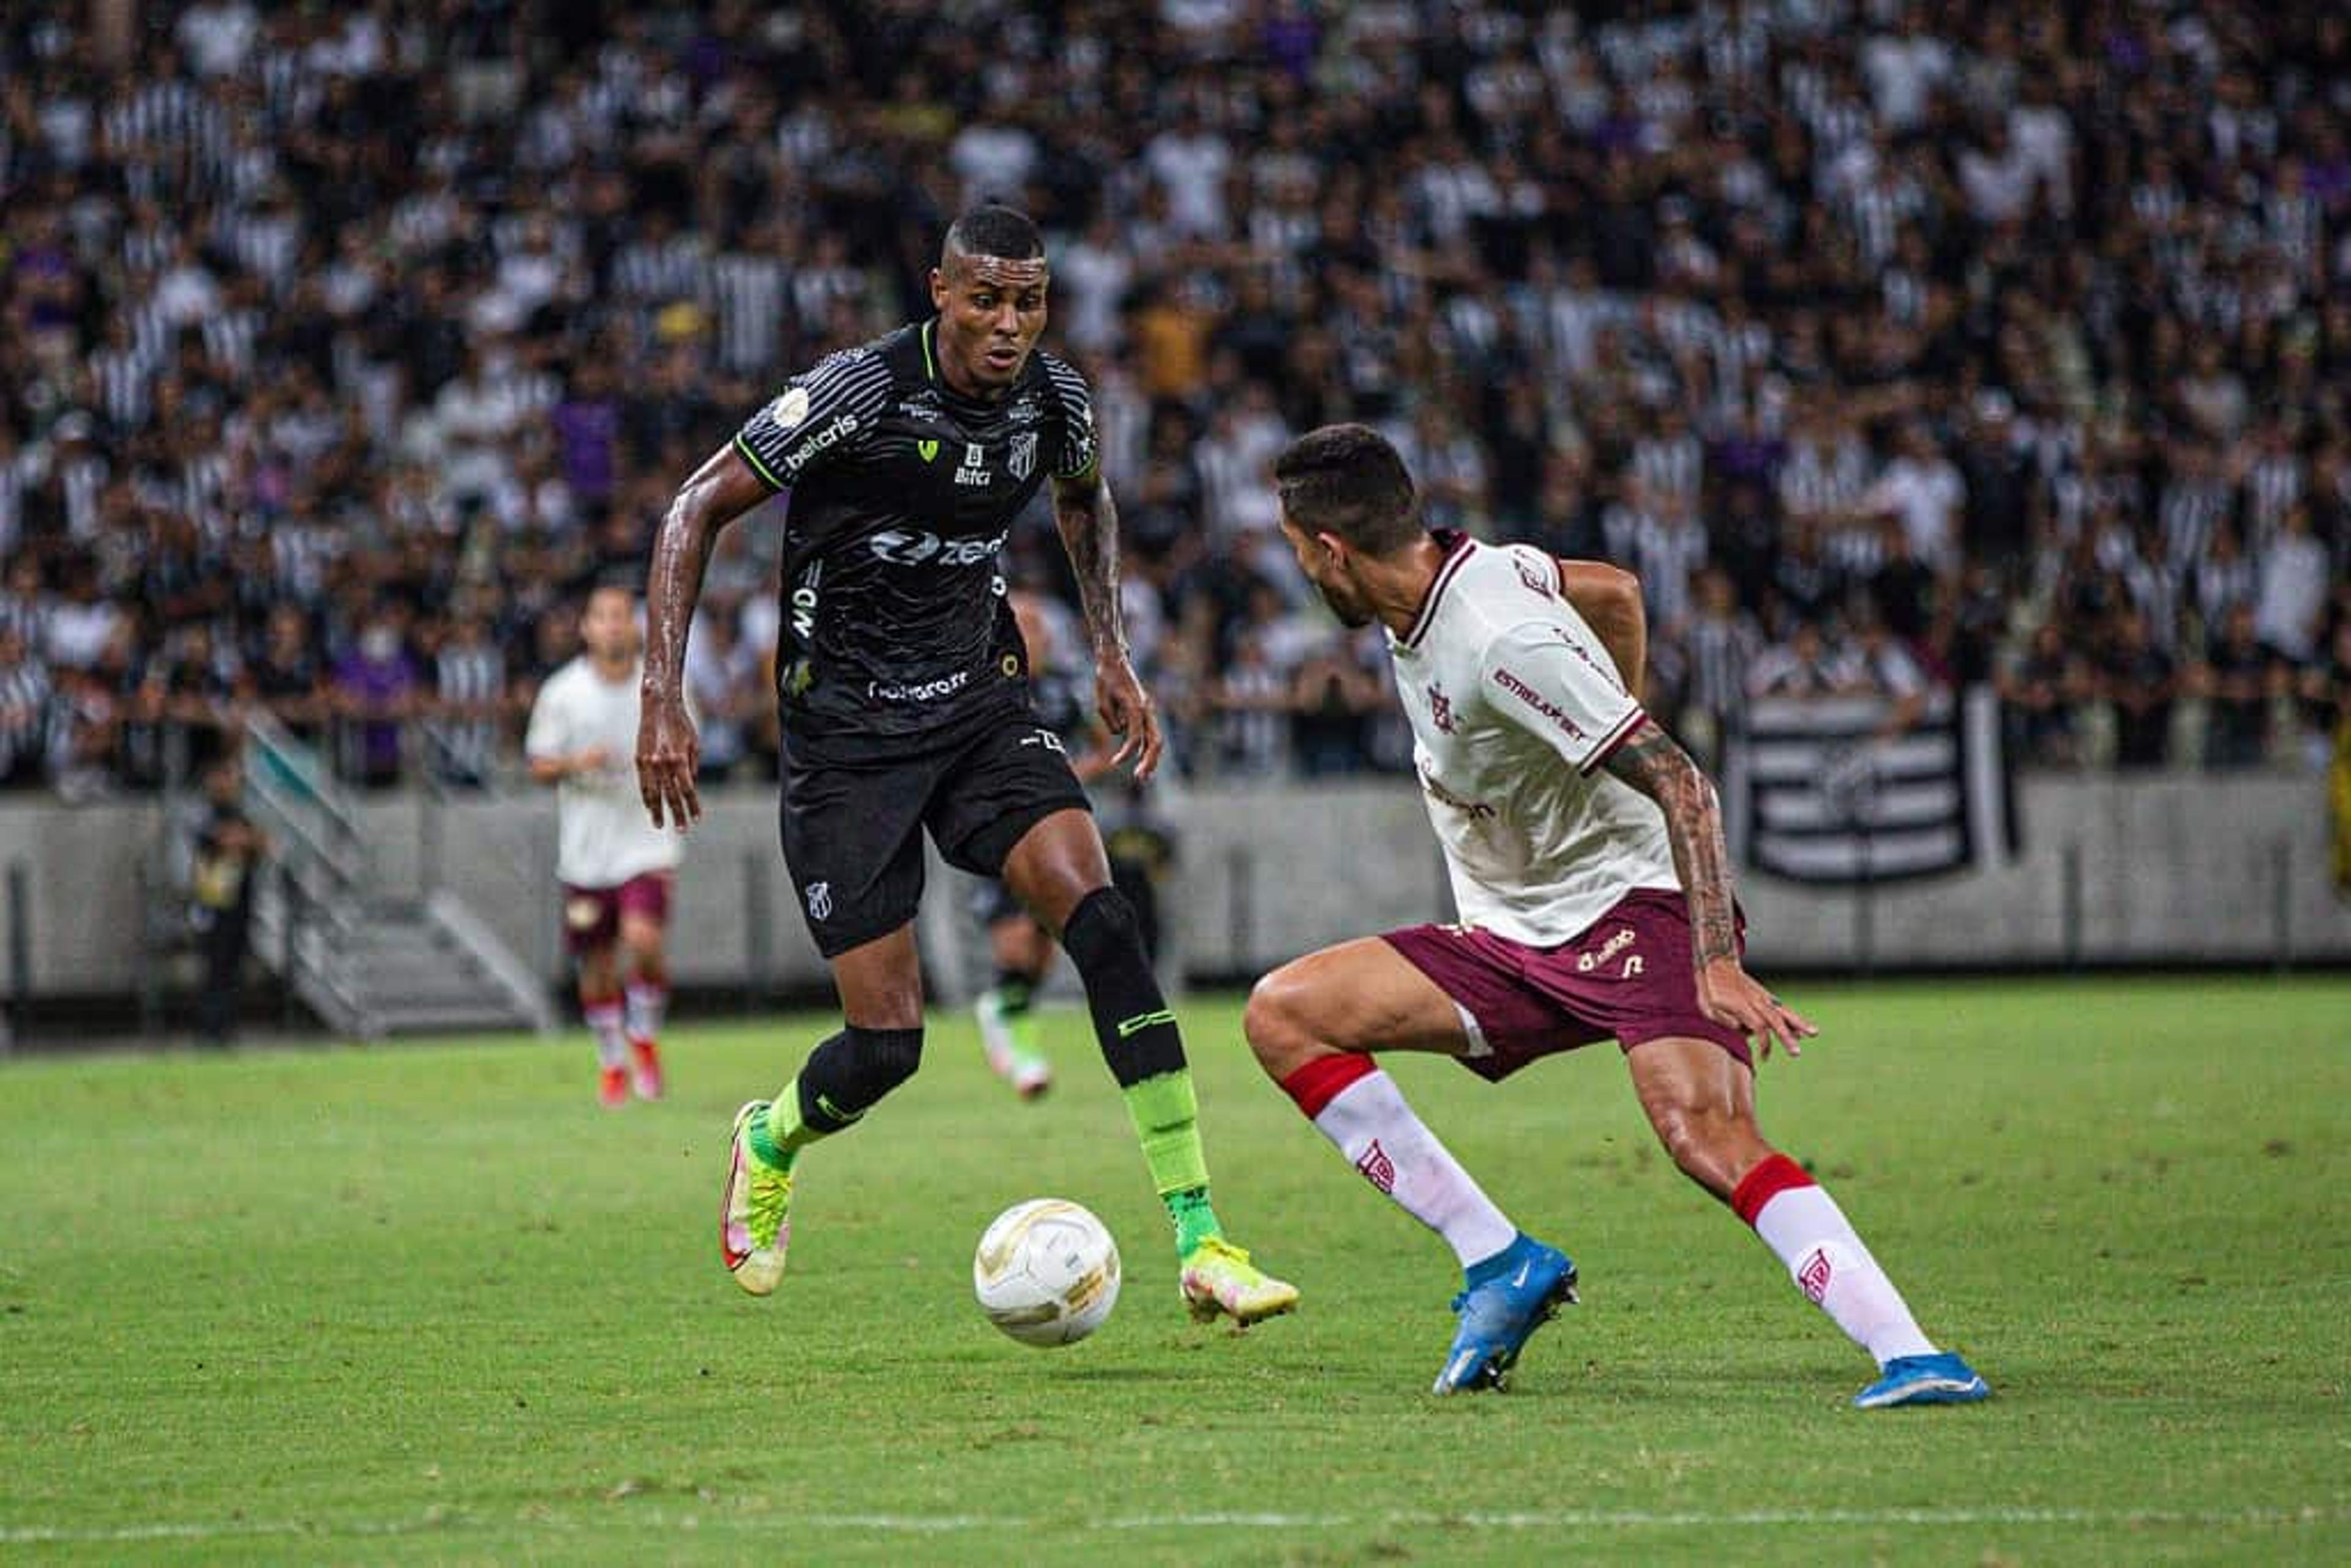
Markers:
point(853, 834)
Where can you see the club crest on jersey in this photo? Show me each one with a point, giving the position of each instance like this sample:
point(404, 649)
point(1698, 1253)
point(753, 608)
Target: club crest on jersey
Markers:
point(788, 410)
point(1023, 460)
point(819, 901)
point(974, 465)
point(1440, 709)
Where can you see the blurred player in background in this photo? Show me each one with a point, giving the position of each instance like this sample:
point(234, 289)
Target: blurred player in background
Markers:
point(1019, 945)
point(906, 708)
point(618, 870)
point(1588, 864)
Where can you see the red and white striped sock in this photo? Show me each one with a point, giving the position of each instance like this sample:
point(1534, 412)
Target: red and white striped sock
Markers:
point(604, 1021)
point(1803, 1225)
point(1355, 1105)
point(648, 1005)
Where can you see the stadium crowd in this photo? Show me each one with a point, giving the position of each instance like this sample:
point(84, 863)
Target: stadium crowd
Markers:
point(342, 347)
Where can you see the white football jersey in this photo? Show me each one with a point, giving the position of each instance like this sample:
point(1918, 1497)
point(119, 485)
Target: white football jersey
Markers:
point(605, 836)
point(1514, 704)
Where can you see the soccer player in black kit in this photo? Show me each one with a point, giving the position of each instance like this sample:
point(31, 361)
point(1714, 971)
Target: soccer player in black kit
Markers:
point(905, 708)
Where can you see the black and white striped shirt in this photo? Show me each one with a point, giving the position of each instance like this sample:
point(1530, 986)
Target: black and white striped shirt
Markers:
point(751, 291)
point(464, 673)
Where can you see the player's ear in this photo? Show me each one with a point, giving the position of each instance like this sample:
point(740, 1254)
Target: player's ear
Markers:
point(939, 289)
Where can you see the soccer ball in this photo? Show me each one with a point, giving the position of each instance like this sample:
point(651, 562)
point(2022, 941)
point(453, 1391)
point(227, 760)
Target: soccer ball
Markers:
point(1046, 1272)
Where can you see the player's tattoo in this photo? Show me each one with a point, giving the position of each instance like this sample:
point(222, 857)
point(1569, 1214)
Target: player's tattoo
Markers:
point(1652, 763)
point(1088, 520)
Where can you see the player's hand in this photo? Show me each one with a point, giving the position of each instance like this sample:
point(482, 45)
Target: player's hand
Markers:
point(1127, 713)
point(595, 760)
point(668, 754)
point(1734, 998)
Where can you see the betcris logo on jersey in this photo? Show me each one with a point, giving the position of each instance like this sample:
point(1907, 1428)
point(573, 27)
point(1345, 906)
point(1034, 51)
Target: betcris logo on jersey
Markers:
point(809, 448)
point(906, 547)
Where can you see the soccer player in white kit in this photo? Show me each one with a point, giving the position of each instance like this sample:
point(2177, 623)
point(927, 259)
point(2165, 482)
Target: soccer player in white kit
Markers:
point(617, 869)
point(1587, 861)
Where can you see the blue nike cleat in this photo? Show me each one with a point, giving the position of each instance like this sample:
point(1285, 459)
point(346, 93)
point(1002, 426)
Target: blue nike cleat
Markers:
point(1939, 1379)
point(1500, 1315)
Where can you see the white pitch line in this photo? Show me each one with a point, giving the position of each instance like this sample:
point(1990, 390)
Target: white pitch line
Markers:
point(953, 1523)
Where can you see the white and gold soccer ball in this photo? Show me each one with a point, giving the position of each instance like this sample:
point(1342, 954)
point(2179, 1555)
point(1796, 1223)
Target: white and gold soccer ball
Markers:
point(1045, 1271)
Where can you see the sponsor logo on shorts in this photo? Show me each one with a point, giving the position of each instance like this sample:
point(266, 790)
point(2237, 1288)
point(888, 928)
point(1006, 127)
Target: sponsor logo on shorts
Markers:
point(1045, 738)
point(1813, 1277)
point(819, 901)
point(1632, 969)
point(1540, 703)
point(582, 914)
point(921, 691)
point(1621, 938)
point(1377, 1168)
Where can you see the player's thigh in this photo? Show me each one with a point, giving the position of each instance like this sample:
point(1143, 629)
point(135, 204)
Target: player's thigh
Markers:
point(1361, 994)
point(852, 841)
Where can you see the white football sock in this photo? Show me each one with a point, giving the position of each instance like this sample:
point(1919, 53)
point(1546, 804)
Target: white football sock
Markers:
point(612, 1038)
point(1806, 1230)
point(648, 1003)
point(1396, 1153)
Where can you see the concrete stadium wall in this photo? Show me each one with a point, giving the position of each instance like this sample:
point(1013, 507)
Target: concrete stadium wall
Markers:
point(2184, 870)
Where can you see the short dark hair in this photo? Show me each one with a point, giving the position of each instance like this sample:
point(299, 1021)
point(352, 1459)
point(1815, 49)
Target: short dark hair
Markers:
point(994, 230)
point(1349, 480)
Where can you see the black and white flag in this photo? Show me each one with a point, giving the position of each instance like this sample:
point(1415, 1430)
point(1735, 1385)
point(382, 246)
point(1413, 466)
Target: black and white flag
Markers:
point(1819, 789)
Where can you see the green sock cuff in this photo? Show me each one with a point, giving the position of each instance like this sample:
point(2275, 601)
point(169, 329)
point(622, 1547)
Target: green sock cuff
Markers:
point(1195, 1219)
point(1165, 1113)
point(777, 1135)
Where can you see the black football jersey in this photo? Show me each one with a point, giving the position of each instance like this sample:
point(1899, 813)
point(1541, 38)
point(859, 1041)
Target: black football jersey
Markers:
point(896, 635)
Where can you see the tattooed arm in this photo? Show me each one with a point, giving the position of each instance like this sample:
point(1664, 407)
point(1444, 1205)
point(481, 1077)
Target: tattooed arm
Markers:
point(1088, 520)
point(668, 752)
point(1652, 763)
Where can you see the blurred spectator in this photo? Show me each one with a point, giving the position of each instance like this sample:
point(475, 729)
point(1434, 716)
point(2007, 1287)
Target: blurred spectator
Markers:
point(225, 857)
point(2044, 688)
point(2139, 679)
point(2234, 680)
point(374, 694)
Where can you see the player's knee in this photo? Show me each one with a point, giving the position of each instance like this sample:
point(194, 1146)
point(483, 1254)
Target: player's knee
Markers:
point(883, 1057)
point(1709, 1143)
point(1278, 1022)
point(1103, 931)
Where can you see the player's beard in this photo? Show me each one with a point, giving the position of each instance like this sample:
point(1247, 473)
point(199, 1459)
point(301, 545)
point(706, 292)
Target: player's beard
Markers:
point(1347, 602)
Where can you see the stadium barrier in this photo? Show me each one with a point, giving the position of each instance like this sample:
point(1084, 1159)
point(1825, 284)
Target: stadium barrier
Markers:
point(2161, 869)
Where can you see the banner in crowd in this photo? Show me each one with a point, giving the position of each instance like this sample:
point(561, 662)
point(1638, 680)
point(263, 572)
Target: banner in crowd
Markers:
point(1835, 789)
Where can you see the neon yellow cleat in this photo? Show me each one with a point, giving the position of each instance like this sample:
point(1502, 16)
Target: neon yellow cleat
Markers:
point(1220, 1278)
point(755, 1221)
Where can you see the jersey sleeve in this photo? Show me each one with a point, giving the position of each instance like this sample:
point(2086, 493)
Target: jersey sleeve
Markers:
point(819, 416)
point(1554, 680)
point(1077, 453)
point(549, 734)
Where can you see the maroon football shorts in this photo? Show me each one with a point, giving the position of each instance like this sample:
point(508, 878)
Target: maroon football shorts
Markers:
point(591, 916)
point(1627, 976)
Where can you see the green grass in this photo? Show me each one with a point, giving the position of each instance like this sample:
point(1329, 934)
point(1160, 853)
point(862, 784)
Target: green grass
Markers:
point(427, 1302)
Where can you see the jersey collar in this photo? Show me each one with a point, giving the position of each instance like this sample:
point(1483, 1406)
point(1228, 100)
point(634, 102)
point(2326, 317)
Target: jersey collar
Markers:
point(1458, 548)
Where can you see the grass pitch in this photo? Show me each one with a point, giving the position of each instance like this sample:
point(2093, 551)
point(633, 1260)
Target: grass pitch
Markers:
point(428, 1302)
